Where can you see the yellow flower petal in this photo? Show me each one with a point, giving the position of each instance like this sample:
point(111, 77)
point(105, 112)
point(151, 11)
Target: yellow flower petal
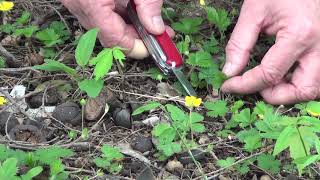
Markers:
point(202, 2)
point(197, 102)
point(3, 101)
point(6, 5)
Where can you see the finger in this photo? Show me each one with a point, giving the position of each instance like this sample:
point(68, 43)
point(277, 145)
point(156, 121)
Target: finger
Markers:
point(275, 64)
point(149, 13)
point(304, 84)
point(242, 40)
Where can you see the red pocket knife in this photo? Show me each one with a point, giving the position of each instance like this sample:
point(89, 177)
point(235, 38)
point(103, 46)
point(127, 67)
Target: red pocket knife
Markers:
point(162, 50)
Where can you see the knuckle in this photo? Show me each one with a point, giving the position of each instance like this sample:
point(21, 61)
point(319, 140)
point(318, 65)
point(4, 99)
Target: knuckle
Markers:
point(307, 93)
point(271, 75)
point(234, 46)
point(306, 31)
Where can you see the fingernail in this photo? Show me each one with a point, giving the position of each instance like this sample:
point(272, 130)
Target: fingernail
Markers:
point(227, 69)
point(158, 23)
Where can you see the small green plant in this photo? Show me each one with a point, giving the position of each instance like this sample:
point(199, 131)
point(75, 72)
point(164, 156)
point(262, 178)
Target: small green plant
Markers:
point(188, 25)
point(40, 158)
point(110, 159)
point(2, 62)
point(9, 170)
point(102, 64)
point(172, 136)
point(220, 18)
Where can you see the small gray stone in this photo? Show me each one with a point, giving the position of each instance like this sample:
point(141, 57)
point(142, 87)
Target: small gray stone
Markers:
point(122, 117)
point(142, 144)
point(68, 112)
point(12, 122)
point(185, 158)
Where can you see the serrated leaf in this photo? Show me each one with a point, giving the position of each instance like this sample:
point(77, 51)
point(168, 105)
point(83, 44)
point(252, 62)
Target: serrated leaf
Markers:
point(27, 31)
point(9, 168)
point(24, 18)
point(218, 17)
point(156, 74)
point(269, 163)
point(7, 28)
point(213, 76)
point(147, 107)
point(48, 155)
point(159, 129)
point(217, 108)
point(55, 66)
point(244, 118)
point(200, 59)
point(104, 64)
point(176, 113)
point(32, 173)
point(197, 127)
point(236, 106)
point(211, 46)
point(85, 47)
point(313, 108)
point(111, 153)
point(196, 117)
point(91, 86)
point(283, 140)
point(226, 163)
point(188, 25)
point(48, 37)
point(251, 139)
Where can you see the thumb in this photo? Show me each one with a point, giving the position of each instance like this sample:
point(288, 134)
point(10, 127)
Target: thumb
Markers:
point(149, 12)
point(243, 39)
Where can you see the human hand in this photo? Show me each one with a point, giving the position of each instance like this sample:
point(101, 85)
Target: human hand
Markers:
point(296, 24)
point(107, 15)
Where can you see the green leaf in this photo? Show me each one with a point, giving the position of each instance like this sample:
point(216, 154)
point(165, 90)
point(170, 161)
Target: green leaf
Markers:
point(156, 74)
point(313, 108)
point(306, 161)
point(236, 106)
point(60, 28)
point(7, 28)
point(159, 129)
point(188, 25)
point(170, 148)
point(283, 140)
point(211, 46)
point(91, 86)
point(269, 163)
point(244, 118)
point(48, 37)
point(85, 47)
point(103, 63)
point(2, 62)
point(56, 167)
point(226, 163)
point(85, 133)
point(251, 139)
point(118, 54)
point(24, 18)
point(217, 108)
point(176, 113)
point(9, 168)
point(48, 155)
point(197, 127)
point(212, 76)
point(262, 109)
point(55, 66)
point(27, 31)
point(200, 59)
point(147, 107)
point(242, 169)
point(183, 46)
point(196, 117)
point(218, 17)
point(111, 153)
point(32, 173)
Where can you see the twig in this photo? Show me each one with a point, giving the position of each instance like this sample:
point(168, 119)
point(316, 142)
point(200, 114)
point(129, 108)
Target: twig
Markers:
point(14, 70)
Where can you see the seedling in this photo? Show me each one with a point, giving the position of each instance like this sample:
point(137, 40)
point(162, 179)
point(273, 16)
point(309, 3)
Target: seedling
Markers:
point(110, 159)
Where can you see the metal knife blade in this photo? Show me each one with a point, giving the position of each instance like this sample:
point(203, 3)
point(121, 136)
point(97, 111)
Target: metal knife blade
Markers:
point(183, 80)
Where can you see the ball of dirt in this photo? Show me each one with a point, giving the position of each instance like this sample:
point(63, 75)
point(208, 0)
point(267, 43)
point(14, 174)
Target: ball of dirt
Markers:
point(68, 112)
point(142, 144)
point(26, 133)
point(265, 177)
point(51, 99)
point(185, 158)
point(174, 165)
point(122, 117)
point(12, 122)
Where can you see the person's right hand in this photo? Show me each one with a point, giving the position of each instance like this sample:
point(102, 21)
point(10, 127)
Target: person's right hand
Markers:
point(296, 25)
point(113, 30)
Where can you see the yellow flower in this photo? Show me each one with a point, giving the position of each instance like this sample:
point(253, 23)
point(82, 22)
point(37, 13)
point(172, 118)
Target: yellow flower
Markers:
point(3, 101)
point(6, 5)
point(192, 101)
point(202, 2)
point(314, 114)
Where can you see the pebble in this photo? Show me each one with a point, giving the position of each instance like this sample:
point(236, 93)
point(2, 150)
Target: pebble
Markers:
point(185, 158)
point(174, 165)
point(11, 123)
point(142, 144)
point(68, 112)
point(122, 117)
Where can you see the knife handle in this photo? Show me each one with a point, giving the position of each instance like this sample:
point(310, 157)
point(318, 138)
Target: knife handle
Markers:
point(173, 57)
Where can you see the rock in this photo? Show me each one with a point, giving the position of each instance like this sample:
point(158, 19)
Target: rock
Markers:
point(95, 107)
point(291, 177)
point(146, 174)
point(51, 99)
point(142, 144)
point(204, 140)
point(167, 90)
point(27, 133)
point(122, 117)
point(68, 112)
point(34, 59)
point(107, 177)
point(184, 157)
point(11, 123)
point(265, 177)
point(173, 166)
point(221, 177)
